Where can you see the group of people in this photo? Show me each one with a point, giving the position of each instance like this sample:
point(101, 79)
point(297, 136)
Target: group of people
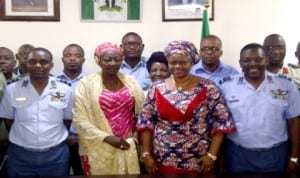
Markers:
point(171, 113)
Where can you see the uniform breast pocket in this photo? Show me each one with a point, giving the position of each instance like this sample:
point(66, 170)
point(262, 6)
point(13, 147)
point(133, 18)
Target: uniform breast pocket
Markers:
point(237, 108)
point(58, 105)
point(56, 110)
point(23, 108)
point(277, 107)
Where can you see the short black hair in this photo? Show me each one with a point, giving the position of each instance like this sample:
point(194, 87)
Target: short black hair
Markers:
point(274, 35)
point(7, 49)
point(133, 34)
point(74, 45)
point(44, 50)
point(157, 56)
point(251, 46)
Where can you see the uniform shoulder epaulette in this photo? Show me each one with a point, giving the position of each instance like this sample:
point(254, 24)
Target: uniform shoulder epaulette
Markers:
point(12, 81)
point(293, 66)
point(61, 80)
point(225, 79)
point(284, 77)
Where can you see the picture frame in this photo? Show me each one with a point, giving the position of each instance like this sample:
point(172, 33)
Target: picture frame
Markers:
point(111, 10)
point(186, 10)
point(31, 10)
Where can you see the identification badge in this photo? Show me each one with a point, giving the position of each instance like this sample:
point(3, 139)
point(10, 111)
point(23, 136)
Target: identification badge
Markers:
point(21, 99)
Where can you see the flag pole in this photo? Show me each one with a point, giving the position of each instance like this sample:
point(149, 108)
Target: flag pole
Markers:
point(205, 20)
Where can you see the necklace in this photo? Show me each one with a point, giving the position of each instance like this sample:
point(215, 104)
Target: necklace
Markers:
point(183, 84)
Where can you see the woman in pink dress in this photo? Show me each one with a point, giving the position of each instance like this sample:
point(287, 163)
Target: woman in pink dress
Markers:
point(106, 104)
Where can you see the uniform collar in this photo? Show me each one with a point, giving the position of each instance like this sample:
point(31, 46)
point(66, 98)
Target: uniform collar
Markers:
point(65, 77)
point(268, 78)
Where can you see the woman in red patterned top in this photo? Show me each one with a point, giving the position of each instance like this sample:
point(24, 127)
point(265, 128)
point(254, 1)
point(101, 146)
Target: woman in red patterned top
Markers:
point(184, 118)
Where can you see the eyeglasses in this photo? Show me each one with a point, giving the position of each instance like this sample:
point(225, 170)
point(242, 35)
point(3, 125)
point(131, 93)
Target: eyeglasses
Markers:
point(129, 44)
point(207, 49)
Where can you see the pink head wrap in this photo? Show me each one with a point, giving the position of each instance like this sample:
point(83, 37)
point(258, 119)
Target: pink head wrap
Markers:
point(101, 49)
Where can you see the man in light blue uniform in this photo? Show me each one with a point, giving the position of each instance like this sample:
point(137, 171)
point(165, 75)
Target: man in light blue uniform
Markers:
point(266, 112)
point(73, 59)
point(38, 110)
point(210, 66)
point(134, 63)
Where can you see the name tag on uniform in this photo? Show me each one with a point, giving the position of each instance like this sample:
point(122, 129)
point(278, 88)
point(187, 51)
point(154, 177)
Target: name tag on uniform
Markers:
point(21, 99)
point(233, 99)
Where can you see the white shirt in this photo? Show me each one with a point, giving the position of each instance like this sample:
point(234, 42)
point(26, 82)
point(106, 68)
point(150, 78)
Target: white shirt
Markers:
point(38, 119)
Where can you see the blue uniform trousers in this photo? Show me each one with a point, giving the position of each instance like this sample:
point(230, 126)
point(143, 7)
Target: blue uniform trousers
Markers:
point(239, 159)
point(28, 162)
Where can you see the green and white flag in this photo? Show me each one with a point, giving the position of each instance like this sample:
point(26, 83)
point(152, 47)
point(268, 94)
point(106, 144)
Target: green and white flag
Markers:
point(111, 10)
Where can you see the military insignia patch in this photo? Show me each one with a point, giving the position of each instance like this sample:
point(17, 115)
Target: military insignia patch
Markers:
point(279, 94)
point(58, 96)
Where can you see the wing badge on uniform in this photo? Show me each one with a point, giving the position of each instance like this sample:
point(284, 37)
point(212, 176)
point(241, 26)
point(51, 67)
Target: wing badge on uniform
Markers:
point(57, 96)
point(279, 94)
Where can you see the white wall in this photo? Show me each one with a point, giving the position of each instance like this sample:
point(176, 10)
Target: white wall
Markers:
point(237, 22)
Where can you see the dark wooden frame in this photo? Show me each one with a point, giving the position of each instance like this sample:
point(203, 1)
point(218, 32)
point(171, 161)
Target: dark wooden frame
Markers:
point(164, 18)
point(54, 17)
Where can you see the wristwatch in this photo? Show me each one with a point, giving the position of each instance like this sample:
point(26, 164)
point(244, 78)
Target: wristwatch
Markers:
point(295, 160)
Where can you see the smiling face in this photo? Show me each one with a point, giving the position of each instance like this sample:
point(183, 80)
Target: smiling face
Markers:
point(73, 59)
point(253, 63)
point(159, 71)
point(179, 65)
point(110, 62)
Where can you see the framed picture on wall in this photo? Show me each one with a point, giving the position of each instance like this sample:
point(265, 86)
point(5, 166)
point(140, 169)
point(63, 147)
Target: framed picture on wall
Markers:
point(111, 10)
point(30, 10)
point(186, 10)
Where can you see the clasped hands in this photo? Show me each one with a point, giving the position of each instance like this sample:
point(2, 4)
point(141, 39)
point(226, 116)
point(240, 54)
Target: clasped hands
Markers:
point(117, 142)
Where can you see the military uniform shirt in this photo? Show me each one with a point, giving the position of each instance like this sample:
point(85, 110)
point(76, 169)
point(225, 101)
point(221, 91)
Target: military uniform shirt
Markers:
point(38, 119)
point(261, 114)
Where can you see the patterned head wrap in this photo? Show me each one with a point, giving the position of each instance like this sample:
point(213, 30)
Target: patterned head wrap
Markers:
point(101, 49)
point(182, 47)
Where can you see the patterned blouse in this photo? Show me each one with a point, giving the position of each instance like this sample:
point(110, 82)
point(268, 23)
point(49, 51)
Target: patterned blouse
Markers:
point(183, 122)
